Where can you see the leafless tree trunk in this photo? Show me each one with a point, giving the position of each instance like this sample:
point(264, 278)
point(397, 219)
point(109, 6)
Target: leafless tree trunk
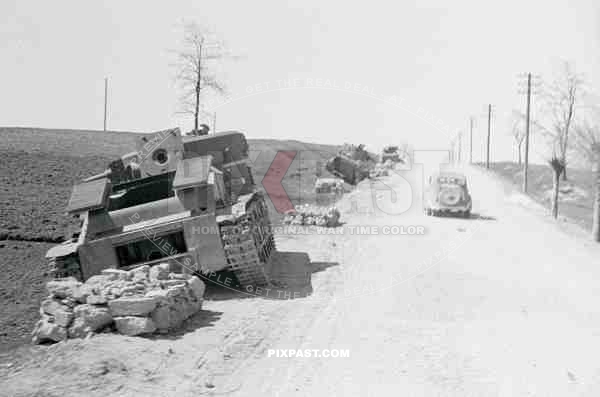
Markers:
point(561, 99)
point(587, 144)
point(518, 134)
point(198, 84)
point(555, 185)
point(558, 166)
point(571, 96)
point(194, 74)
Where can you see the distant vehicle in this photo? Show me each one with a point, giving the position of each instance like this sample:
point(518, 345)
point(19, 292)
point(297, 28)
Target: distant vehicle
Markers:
point(391, 153)
point(329, 185)
point(352, 164)
point(447, 193)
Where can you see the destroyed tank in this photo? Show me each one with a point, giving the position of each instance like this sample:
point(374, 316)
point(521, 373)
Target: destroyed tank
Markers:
point(352, 164)
point(189, 201)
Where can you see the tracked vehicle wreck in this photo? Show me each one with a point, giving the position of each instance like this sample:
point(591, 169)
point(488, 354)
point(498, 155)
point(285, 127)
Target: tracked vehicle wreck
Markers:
point(352, 164)
point(189, 201)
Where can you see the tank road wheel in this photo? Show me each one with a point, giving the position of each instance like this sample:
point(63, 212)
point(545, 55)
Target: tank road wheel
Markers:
point(65, 266)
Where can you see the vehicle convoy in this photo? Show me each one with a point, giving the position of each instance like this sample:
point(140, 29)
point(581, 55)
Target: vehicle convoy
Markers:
point(447, 193)
point(352, 164)
point(190, 201)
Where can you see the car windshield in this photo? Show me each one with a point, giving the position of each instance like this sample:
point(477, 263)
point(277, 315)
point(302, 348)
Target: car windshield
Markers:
point(452, 180)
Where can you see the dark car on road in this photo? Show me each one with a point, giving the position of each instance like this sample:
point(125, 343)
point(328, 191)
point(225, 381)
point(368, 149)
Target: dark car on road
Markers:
point(447, 193)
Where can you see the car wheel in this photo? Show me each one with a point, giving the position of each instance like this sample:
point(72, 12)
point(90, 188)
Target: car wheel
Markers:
point(467, 214)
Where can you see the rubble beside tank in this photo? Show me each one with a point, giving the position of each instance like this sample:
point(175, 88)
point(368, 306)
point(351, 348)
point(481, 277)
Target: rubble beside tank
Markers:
point(141, 301)
point(312, 215)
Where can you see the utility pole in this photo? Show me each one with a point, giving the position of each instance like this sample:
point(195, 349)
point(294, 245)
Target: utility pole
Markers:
point(526, 157)
point(459, 145)
point(487, 157)
point(471, 140)
point(105, 100)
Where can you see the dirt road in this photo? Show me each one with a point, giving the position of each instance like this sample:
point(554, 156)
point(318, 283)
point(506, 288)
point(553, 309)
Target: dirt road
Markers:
point(504, 303)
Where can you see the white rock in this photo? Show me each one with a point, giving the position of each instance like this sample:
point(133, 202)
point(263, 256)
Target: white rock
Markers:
point(89, 318)
point(97, 279)
point(139, 273)
point(172, 283)
point(196, 287)
point(48, 332)
point(115, 274)
point(62, 288)
point(179, 276)
point(131, 306)
point(162, 318)
point(96, 299)
point(132, 326)
point(176, 290)
point(160, 295)
point(81, 293)
point(160, 272)
point(61, 314)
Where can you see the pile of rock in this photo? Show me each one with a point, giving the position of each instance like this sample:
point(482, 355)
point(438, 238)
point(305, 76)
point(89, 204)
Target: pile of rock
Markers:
point(382, 169)
point(329, 185)
point(312, 215)
point(140, 301)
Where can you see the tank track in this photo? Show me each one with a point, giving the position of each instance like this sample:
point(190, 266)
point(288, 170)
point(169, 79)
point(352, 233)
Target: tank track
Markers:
point(248, 241)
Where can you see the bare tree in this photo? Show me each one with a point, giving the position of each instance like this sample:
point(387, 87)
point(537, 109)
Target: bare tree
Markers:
point(518, 134)
point(558, 167)
point(586, 137)
point(560, 100)
point(587, 142)
point(195, 70)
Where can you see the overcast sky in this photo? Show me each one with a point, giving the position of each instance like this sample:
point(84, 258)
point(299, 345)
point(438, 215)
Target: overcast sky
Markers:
point(391, 71)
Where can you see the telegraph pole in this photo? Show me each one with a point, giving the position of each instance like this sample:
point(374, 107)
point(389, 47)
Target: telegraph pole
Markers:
point(487, 157)
point(526, 157)
point(471, 140)
point(105, 100)
point(459, 145)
